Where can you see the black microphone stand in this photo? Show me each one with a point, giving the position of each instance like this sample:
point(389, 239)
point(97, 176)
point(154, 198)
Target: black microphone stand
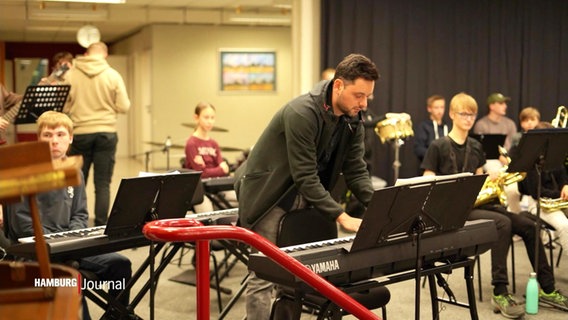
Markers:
point(146, 155)
point(417, 230)
point(539, 164)
point(166, 149)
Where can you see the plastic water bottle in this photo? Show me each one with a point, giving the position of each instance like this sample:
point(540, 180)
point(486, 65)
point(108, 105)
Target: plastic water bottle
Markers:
point(531, 306)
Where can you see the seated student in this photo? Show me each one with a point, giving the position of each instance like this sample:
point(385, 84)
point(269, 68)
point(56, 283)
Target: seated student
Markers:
point(529, 117)
point(459, 153)
point(202, 153)
point(496, 120)
point(554, 185)
point(66, 209)
point(432, 128)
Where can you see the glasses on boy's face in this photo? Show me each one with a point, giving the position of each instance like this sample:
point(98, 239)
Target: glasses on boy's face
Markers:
point(466, 116)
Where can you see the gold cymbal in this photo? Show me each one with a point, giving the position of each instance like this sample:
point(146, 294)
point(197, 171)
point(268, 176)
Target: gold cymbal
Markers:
point(162, 144)
point(193, 126)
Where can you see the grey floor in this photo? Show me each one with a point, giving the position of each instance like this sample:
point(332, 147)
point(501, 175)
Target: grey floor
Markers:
point(178, 301)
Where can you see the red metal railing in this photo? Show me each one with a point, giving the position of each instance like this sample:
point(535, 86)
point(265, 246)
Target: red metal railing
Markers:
point(178, 230)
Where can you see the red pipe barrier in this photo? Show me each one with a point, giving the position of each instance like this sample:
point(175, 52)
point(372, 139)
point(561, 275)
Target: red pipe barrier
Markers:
point(178, 230)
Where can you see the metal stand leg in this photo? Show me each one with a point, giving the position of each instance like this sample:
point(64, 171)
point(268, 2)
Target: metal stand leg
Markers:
point(235, 298)
point(396, 163)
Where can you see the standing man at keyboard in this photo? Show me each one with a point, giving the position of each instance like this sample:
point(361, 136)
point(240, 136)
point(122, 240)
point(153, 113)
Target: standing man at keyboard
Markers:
point(298, 158)
point(66, 209)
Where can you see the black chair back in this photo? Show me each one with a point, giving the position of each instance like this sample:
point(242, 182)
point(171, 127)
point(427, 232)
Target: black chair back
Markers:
point(304, 226)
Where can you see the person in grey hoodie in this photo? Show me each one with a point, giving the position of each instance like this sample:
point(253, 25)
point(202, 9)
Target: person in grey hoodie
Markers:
point(97, 95)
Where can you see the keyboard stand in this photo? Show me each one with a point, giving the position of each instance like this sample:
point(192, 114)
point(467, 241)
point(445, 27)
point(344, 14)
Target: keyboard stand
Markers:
point(432, 272)
point(115, 310)
point(235, 298)
point(468, 266)
point(302, 293)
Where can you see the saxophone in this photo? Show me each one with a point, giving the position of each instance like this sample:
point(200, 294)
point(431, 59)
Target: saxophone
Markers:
point(495, 189)
point(549, 204)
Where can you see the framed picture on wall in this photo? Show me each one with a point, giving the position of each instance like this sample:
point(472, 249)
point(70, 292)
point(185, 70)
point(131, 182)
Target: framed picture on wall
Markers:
point(248, 70)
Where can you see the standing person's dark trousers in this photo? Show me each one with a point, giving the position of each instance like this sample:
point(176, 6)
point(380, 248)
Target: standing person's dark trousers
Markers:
point(98, 149)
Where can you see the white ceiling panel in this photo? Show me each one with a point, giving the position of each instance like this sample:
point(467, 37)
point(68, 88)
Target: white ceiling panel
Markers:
point(47, 21)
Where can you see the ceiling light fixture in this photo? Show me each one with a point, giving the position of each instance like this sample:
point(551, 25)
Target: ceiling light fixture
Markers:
point(67, 14)
point(257, 18)
point(267, 20)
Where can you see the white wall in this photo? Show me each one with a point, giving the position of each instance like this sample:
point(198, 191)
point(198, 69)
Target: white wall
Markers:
point(185, 69)
point(120, 63)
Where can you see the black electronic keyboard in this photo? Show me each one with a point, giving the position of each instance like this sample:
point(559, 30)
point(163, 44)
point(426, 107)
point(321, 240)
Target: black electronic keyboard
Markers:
point(62, 248)
point(215, 185)
point(98, 231)
point(75, 244)
point(332, 260)
point(227, 216)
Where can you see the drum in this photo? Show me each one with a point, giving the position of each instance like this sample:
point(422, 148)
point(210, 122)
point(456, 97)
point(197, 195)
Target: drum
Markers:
point(394, 128)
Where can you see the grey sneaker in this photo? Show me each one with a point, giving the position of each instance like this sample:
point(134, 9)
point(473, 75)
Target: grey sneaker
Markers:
point(555, 299)
point(506, 304)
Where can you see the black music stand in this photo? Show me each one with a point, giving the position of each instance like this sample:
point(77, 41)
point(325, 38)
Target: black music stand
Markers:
point(142, 199)
point(490, 143)
point(541, 149)
point(164, 196)
point(418, 209)
point(39, 99)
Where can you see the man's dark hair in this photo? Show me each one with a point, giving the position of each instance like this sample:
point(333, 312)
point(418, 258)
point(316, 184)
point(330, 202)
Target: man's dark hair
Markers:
point(356, 66)
point(63, 55)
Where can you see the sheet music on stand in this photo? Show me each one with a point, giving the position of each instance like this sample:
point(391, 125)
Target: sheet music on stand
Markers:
point(393, 211)
point(39, 99)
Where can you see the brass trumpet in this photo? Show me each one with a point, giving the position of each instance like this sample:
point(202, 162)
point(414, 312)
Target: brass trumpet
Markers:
point(561, 118)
